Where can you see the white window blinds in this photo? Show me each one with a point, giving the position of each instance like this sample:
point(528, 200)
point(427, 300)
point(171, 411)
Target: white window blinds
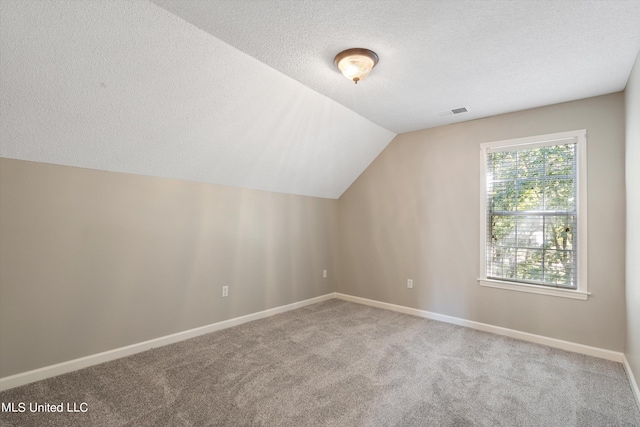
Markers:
point(531, 213)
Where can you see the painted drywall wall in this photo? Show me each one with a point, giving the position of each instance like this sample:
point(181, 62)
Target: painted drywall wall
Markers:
point(632, 109)
point(414, 213)
point(91, 260)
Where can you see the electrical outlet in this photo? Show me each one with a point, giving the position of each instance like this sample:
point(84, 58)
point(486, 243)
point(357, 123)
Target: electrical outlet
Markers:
point(410, 283)
point(225, 291)
point(324, 273)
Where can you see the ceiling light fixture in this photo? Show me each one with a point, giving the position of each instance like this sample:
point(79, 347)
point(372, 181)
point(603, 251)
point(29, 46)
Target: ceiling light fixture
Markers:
point(356, 64)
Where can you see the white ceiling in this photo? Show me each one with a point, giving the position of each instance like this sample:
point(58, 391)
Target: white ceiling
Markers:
point(490, 56)
point(245, 93)
point(126, 86)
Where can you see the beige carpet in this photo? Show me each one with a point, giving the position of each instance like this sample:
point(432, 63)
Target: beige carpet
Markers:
point(339, 364)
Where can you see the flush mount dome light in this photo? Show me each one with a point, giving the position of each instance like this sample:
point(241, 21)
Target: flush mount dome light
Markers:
point(356, 64)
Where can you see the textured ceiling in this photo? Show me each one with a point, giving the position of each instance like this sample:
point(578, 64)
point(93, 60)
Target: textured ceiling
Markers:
point(245, 93)
point(126, 86)
point(491, 56)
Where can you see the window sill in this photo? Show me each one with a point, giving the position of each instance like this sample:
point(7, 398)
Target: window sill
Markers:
point(535, 289)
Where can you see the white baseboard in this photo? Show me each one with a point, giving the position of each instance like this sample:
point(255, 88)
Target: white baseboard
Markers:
point(94, 359)
point(632, 379)
point(524, 336)
point(84, 362)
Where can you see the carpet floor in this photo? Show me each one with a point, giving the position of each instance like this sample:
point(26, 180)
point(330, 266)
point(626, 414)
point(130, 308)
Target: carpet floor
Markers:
point(338, 363)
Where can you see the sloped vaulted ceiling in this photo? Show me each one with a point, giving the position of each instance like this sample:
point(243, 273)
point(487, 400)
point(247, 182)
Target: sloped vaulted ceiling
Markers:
point(127, 86)
point(244, 93)
point(491, 56)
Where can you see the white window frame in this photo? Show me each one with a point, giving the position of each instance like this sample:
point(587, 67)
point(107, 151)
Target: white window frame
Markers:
point(581, 292)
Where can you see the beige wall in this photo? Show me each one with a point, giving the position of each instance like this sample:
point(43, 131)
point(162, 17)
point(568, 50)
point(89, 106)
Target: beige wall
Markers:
point(91, 261)
point(632, 98)
point(414, 213)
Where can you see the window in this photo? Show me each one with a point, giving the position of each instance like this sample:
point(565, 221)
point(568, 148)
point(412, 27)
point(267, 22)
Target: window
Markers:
point(533, 215)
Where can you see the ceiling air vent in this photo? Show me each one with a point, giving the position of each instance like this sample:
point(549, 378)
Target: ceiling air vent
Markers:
point(452, 112)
